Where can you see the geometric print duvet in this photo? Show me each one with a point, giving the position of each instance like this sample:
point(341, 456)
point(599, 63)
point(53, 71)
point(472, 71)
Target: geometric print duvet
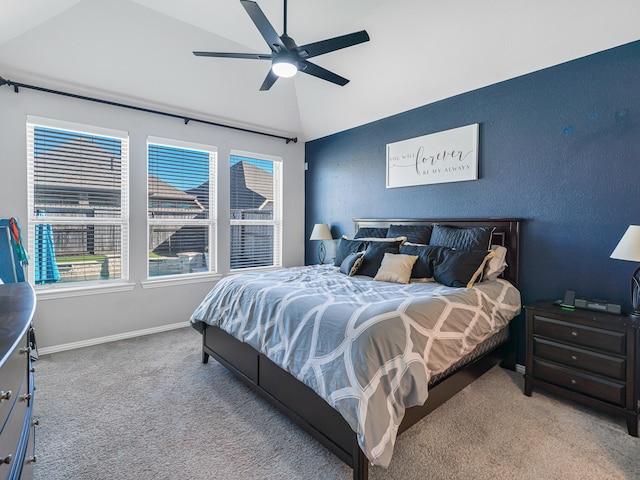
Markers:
point(368, 348)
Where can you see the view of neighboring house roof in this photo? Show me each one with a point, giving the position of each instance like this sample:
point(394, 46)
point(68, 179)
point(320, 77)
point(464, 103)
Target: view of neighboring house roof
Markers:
point(82, 172)
point(160, 191)
point(66, 172)
point(78, 163)
point(251, 186)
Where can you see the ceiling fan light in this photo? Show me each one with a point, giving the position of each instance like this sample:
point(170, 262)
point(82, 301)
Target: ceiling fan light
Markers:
point(284, 67)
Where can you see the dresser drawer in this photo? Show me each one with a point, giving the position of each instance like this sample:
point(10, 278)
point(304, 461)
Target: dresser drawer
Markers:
point(13, 372)
point(596, 387)
point(29, 460)
point(12, 433)
point(600, 339)
point(574, 357)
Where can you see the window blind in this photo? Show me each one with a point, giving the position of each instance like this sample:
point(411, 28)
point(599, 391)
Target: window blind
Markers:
point(255, 202)
point(181, 208)
point(78, 204)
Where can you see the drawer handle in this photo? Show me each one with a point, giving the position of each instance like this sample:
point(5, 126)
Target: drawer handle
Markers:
point(5, 395)
point(25, 397)
point(24, 350)
point(574, 334)
point(574, 381)
point(7, 459)
point(33, 459)
point(574, 357)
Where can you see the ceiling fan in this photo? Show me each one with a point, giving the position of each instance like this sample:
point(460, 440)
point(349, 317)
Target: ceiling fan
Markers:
point(286, 57)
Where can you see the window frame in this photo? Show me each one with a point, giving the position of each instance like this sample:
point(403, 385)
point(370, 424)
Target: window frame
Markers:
point(81, 287)
point(276, 222)
point(211, 222)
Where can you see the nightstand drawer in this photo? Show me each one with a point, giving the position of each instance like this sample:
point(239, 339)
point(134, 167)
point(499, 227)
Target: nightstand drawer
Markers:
point(575, 357)
point(600, 388)
point(603, 340)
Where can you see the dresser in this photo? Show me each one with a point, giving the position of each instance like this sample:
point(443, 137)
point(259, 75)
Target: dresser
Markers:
point(17, 351)
point(584, 356)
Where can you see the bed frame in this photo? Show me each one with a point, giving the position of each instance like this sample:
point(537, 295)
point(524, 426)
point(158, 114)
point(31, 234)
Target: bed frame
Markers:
point(302, 405)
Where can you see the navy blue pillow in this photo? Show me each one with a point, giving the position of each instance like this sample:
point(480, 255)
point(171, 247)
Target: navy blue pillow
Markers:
point(374, 254)
point(456, 268)
point(462, 238)
point(427, 256)
point(371, 232)
point(414, 233)
point(347, 246)
point(351, 264)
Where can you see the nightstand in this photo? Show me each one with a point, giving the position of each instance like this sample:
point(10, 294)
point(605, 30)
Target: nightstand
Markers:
point(584, 356)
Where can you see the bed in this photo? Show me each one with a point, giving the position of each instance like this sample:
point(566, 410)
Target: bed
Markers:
point(342, 356)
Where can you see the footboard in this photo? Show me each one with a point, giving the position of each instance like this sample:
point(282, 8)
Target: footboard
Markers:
point(302, 405)
point(296, 400)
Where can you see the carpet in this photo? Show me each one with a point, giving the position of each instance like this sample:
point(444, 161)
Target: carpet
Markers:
point(147, 408)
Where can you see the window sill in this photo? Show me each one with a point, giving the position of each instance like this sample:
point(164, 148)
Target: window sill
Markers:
point(170, 281)
point(50, 293)
point(253, 269)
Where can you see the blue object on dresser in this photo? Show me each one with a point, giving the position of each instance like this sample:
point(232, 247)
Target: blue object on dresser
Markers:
point(11, 260)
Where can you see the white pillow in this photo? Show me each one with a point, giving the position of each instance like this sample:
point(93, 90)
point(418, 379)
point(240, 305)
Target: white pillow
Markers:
point(395, 267)
point(496, 265)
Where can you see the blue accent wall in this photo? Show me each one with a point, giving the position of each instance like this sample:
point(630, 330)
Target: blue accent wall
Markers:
point(559, 148)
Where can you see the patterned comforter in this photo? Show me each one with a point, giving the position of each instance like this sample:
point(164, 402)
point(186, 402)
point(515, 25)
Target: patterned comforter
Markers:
point(368, 348)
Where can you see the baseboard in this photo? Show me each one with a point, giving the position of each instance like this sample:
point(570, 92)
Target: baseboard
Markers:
point(520, 368)
point(110, 338)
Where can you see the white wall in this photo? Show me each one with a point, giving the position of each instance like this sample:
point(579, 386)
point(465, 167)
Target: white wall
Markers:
point(80, 320)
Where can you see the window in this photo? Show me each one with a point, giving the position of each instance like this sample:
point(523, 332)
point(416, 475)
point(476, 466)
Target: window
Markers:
point(256, 210)
point(78, 202)
point(181, 208)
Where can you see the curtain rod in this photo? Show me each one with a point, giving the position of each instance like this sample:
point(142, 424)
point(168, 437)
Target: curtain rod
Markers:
point(16, 86)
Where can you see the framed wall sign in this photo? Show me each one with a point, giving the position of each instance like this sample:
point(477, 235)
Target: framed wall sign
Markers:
point(449, 156)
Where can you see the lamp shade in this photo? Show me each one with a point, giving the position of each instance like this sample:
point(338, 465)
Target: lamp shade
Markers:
point(321, 232)
point(628, 247)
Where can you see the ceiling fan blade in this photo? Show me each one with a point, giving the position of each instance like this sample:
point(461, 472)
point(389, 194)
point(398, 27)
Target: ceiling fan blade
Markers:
point(264, 26)
point(313, 69)
point(268, 81)
point(332, 44)
point(251, 56)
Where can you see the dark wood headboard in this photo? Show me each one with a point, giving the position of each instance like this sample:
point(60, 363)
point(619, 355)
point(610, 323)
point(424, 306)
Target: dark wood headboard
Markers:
point(506, 233)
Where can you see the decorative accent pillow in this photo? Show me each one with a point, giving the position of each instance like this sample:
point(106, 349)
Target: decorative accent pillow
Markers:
point(347, 246)
point(496, 265)
point(374, 254)
point(414, 233)
point(371, 232)
point(460, 268)
point(351, 263)
point(462, 238)
point(427, 254)
point(395, 268)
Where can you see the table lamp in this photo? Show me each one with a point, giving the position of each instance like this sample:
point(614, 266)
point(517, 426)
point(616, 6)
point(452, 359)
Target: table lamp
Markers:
point(321, 232)
point(628, 248)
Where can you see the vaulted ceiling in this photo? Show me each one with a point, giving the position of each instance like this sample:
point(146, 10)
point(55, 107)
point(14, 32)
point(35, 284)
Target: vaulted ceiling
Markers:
point(420, 51)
